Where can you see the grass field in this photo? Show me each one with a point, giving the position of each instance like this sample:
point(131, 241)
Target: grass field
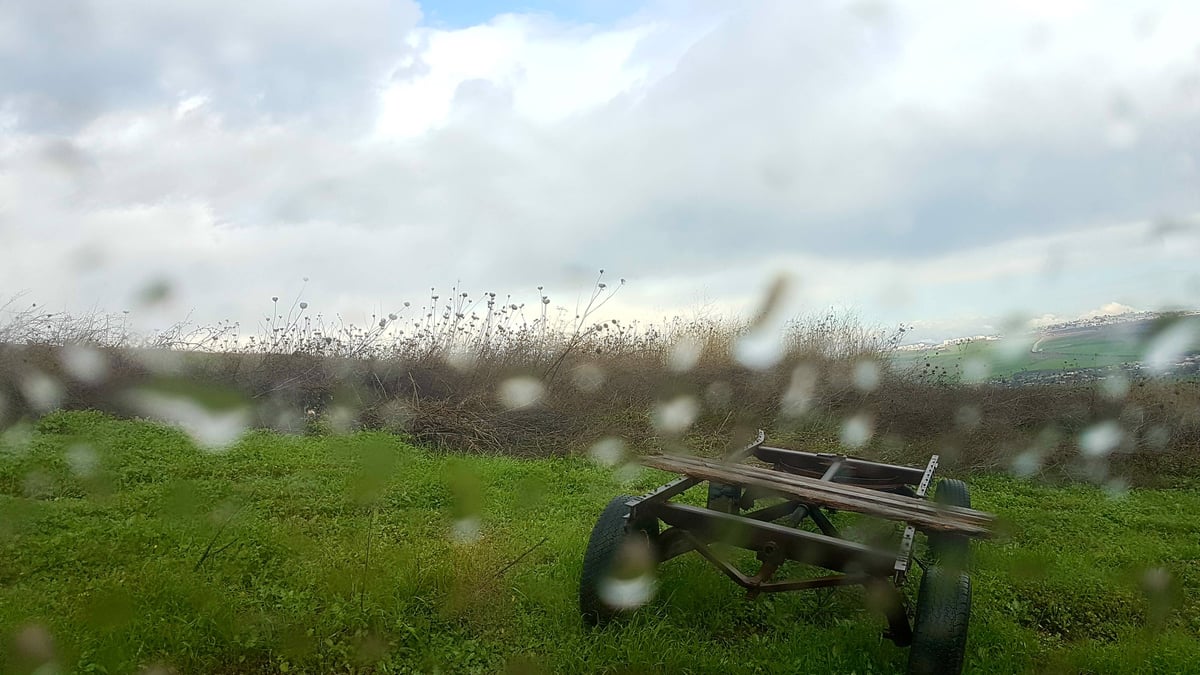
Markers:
point(1004, 359)
point(124, 548)
point(1099, 346)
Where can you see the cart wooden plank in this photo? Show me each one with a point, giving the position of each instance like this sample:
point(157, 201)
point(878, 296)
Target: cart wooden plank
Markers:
point(924, 514)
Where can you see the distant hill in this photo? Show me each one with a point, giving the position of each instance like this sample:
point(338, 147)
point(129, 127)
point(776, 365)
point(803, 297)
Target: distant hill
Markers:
point(1080, 350)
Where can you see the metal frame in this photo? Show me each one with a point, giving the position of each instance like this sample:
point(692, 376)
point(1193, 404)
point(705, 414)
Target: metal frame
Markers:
point(826, 481)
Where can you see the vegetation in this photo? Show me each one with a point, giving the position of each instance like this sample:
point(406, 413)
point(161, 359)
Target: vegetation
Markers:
point(484, 374)
point(1105, 346)
point(124, 547)
point(415, 496)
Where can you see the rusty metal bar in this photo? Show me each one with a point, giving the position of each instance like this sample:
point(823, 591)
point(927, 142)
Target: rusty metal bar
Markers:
point(754, 585)
point(799, 545)
point(771, 513)
point(673, 542)
point(684, 483)
point(856, 468)
point(835, 495)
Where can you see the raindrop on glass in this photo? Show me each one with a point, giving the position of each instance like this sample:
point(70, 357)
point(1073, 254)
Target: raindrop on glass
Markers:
point(211, 429)
point(588, 378)
point(82, 460)
point(857, 430)
point(1115, 386)
point(85, 363)
point(43, 392)
point(520, 392)
point(975, 370)
point(675, 416)
point(608, 451)
point(866, 375)
point(1099, 440)
point(968, 417)
point(760, 348)
point(684, 354)
point(801, 391)
point(1169, 348)
point(466, 530)
point(1027, 463)
point(630, 583)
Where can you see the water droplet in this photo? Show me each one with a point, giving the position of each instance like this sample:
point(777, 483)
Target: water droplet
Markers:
point(520, 392)
point(1122, 134)
point(43, 392)
point(718, 394)
point(684, 354)
point(975, 370)
point(1115, 386)
point(155, 292)
point(38, 484)
point(85, 363)
point(1156, 580)
point(1100, 439)
point(630, 582)
point(1014, 348)
point(866, 375)
point(1116, 488)
point(968, 417)
point(34, 645)
point(588, 378)
point(82, 460)
point(461, 358)
point(608, 451)
point(341, 419)
point(857, 430)
point(466, 530)
point(211, 429)
point(627, 594)
point(1170, 346)
point(158, 361)
point(801, 391)
point(676, 415)
point(628, 473)
point(759, 349)
point(1027, 463)
point(1158, 436)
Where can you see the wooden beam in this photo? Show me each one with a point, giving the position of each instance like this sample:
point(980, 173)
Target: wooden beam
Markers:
point(919, 512)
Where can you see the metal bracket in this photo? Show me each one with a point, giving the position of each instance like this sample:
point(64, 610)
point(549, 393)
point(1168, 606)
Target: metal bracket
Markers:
point(906, 541)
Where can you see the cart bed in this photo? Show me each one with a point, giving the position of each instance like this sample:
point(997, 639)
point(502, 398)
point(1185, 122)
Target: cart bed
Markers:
point(919, 512)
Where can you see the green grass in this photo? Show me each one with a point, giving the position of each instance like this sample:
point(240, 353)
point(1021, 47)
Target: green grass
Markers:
point(290, 554)
point(1004, 360)
point(1087, 347)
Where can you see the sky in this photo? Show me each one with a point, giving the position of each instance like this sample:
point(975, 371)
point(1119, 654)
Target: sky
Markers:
point(955, 167)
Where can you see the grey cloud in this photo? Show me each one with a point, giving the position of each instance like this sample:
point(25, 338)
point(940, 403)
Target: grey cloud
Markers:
point(67, 61)
point(775, 133)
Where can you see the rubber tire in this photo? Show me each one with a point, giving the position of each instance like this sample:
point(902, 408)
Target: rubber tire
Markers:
point(951, 551)
point(940, 628)
point(607, 537)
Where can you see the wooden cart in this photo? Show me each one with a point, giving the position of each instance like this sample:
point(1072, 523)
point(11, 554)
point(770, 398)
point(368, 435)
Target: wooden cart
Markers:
point(798, 488)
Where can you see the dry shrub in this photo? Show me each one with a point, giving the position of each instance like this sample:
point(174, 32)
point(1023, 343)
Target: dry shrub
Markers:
point(439, 377)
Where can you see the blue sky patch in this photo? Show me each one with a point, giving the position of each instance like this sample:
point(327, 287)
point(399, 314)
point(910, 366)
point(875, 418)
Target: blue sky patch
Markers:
point(463, 13)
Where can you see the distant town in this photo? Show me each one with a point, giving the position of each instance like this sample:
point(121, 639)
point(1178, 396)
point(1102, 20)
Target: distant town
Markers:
point(1079, 350)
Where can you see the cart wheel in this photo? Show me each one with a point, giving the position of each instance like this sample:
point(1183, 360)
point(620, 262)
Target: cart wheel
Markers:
point(940, 628)
point(951, 550)
point(618, 565)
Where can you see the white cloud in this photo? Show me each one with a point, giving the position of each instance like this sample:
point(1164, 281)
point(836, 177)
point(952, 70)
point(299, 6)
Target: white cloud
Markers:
point(953, 163)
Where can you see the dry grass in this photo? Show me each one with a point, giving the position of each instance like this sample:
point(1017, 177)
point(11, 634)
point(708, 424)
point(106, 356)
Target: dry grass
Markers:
point(484, 374)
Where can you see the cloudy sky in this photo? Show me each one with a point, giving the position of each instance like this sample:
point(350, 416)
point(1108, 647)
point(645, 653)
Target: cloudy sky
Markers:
point(950, 165)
